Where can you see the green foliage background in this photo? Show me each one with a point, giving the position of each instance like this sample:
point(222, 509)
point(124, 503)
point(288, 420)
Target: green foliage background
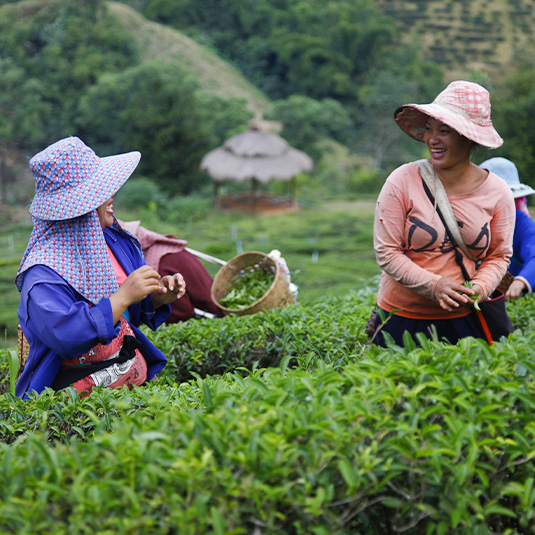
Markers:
point(334, 71)
point(76, 69)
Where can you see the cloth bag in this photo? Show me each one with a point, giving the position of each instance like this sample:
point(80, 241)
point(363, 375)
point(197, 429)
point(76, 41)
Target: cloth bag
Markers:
point(492, 315)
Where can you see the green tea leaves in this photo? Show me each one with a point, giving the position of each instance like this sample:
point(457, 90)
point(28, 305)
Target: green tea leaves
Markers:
point(248, 287)
point(475, 297)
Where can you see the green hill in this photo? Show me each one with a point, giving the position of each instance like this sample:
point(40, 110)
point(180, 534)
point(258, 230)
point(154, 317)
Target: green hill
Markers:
point(151, 40)
point(214, 74)
point(472, 35)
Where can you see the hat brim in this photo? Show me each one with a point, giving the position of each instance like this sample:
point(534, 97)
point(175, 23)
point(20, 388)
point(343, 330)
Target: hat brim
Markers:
point(521, 190)
point(411, 118)
point(111, 174)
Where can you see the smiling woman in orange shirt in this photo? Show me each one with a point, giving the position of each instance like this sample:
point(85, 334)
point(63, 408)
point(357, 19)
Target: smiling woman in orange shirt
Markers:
point(422, 287)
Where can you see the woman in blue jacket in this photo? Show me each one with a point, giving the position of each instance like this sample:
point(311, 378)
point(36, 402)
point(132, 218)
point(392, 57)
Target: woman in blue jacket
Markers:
point(522, 265)
point(85, 288)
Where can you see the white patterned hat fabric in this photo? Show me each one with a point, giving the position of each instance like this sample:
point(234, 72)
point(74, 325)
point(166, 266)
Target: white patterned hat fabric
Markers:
point(71, 180)
point(507, 170)
point(463, 106)
point(76, 250)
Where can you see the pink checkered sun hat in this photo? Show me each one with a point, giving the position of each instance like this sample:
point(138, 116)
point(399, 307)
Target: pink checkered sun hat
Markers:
point(463, 106)
point(71, 180)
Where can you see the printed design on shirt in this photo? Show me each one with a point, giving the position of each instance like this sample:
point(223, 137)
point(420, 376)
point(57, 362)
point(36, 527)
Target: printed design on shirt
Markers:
point(481, 243)
point(430, 238)
point(417, 224)
point(111, 374)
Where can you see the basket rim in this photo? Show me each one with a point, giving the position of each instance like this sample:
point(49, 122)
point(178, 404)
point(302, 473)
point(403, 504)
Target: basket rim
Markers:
point(258, 301)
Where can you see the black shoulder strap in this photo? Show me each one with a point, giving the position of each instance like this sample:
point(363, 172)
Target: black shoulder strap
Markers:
point(458, 254)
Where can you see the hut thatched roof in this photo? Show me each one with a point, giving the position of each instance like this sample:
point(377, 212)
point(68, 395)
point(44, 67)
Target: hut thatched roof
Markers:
point(255, 154)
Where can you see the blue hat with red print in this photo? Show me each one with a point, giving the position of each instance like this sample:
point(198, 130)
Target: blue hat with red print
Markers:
point(71, 180)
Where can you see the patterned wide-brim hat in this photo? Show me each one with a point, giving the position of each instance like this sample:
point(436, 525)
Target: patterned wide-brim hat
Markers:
point(507, 170)
point(71, 180)
point(463, 106)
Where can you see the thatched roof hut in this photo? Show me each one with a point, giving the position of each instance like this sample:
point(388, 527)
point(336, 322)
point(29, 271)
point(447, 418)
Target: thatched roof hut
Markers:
point(257, 155)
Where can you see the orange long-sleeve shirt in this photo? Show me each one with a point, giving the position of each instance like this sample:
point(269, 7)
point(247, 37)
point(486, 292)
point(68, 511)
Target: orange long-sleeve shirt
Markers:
point(413, 249)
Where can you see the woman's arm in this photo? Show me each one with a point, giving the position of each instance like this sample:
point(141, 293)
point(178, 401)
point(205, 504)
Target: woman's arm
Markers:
point(138, 285)
point(524, 249)
point(496, 262)
point(129, 255)
point(172, 287)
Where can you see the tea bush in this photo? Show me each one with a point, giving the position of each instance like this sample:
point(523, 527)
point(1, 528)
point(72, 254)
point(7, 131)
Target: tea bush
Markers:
point(431, 440)
point(332, 330)
point(334, 437)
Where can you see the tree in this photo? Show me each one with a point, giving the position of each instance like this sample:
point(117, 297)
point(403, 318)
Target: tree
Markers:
point(307, 121)
point(51, 53)
point(513, 109)
point(315, 48)
point(158, 109)
point(396, 81)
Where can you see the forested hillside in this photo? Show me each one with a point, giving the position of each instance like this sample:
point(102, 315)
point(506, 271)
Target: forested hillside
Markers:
point(175, 78)
point(472, 35)
point(156, 41)
point(371, 56)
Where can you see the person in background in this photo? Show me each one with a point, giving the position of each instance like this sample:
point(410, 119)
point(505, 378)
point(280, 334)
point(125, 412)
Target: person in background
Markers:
point(522, 265)
point(167, 254)
point(84, 284)
point(422, 286)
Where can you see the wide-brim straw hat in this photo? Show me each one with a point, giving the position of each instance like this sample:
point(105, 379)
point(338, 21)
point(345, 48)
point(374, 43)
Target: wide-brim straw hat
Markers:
point(507, 170)
point(463, 106)
point(71, 180)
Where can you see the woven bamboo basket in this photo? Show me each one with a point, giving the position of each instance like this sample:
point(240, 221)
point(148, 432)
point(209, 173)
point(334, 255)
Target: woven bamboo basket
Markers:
point(24, 349)
point(278, 294)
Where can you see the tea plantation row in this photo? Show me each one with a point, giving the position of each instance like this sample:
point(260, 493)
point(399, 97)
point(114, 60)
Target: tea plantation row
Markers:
point(284, 422)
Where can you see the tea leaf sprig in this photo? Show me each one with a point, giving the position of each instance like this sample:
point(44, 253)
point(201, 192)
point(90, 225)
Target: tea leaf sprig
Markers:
point(475, 297)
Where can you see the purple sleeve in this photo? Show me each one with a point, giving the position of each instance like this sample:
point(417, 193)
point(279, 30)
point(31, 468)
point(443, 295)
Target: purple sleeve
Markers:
point(151, 317)
point(524, 249)
point(62, 319)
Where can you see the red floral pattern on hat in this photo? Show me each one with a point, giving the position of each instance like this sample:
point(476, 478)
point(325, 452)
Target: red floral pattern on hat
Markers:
point(71, 180)
point(76, 250)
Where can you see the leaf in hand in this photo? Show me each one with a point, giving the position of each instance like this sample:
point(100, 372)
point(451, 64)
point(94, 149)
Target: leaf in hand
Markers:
point(475, 297)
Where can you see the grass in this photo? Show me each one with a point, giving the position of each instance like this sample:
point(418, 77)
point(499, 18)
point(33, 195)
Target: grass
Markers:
point(13, 241)
point(328, 248)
